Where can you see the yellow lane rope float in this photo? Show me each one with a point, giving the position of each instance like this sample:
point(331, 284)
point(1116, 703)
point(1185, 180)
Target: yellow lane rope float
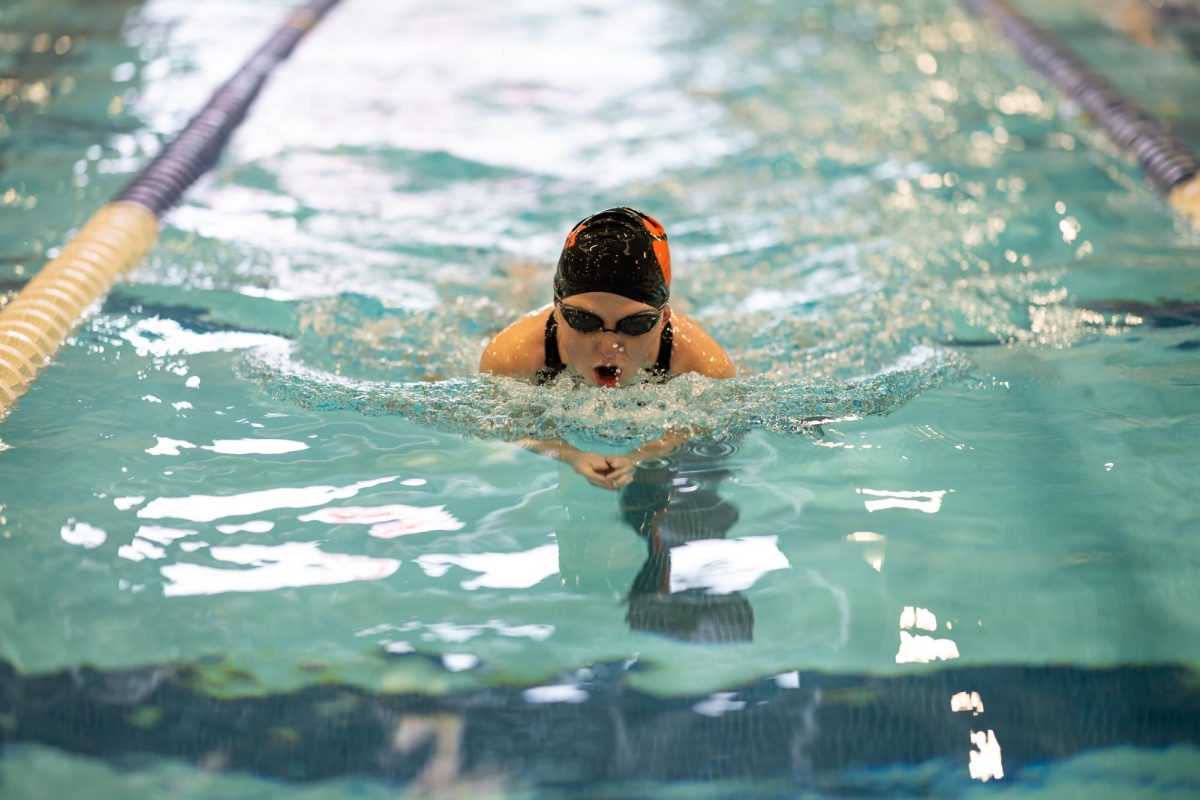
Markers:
point(34, 324)
point(1185, 198)
point(1169, 163)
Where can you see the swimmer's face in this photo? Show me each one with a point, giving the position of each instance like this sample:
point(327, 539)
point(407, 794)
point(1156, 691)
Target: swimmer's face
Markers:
point(605, 358)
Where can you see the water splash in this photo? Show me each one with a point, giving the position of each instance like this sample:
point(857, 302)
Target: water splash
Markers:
point(356, 335)
point(502, 408)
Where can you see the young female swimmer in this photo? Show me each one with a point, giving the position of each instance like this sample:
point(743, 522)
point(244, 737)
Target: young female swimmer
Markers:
point(609, 321)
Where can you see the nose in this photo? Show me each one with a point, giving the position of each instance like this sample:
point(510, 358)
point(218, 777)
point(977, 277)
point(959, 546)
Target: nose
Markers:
point(607, 342)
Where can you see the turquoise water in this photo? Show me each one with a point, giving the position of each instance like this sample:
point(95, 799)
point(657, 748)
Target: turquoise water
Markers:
point(962, 438)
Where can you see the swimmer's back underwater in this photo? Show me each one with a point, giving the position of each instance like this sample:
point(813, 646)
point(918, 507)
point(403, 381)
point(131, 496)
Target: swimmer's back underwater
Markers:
point(610, 319)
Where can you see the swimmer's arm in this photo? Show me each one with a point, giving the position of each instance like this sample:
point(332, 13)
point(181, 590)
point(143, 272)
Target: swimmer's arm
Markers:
point(599, 470)
point(696, 351)
point(623, 466)
point(606, 472)
point(662, 446)
point(519, 350)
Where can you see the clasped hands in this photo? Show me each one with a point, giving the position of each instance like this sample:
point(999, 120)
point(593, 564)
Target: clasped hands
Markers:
point(607, 472)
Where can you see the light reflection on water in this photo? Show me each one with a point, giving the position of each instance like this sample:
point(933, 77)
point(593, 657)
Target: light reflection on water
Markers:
point(272, 567)
point(496, 570)
point(206, 508)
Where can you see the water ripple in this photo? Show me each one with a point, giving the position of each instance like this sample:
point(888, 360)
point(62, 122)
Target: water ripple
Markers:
point(490, 407)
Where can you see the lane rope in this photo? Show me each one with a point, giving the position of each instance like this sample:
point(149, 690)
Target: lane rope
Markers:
point(1169, 163)
point(35, 323)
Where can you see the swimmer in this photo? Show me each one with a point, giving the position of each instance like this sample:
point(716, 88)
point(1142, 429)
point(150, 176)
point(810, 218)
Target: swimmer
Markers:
point(610, 319)
point(610, 324)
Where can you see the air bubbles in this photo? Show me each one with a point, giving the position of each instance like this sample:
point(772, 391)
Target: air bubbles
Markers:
point(503, 408)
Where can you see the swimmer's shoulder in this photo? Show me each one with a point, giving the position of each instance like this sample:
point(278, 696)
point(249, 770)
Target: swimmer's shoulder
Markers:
point(694, 350)
point(519, 350)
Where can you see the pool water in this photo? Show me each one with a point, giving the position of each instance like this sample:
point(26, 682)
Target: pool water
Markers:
point(265, 532)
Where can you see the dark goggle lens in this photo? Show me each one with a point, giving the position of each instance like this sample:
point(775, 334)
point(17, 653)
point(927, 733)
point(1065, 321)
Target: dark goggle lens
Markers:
point(587, 322)
point(637, 324)
point(582, 321)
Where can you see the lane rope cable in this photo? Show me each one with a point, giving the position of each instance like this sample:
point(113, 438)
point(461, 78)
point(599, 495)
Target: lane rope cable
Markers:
point(1169, 163)
point(35, 323)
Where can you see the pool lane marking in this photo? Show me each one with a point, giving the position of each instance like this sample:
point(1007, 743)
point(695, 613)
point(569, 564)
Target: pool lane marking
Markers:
point(1169, 163)
point(34, 323)
point(1185, 198)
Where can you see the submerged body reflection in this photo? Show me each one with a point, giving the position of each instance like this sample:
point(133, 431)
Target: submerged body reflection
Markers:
point(669, 503)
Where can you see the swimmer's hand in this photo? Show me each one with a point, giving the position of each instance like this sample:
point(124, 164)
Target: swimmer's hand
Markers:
point(607, 472)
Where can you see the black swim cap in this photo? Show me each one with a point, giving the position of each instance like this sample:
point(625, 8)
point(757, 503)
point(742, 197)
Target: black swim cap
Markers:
point(620, 251)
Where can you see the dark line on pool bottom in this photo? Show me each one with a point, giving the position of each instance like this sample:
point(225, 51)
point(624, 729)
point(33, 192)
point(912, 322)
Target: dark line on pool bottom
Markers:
point(821, 733)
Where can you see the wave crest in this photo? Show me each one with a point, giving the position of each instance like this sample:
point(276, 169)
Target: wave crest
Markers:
point(503, 408)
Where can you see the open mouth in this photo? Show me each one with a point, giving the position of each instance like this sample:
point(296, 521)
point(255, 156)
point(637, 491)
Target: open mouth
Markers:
point(608, 375)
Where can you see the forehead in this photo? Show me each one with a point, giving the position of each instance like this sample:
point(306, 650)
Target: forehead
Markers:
point(606, 304)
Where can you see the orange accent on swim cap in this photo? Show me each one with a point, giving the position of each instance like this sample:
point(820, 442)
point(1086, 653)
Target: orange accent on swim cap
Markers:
point(571, 236)
point(661, 251)
point(654, 226)
point(663, 254)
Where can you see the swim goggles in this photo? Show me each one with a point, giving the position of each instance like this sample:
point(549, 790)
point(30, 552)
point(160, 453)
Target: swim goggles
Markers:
point(587, 322)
